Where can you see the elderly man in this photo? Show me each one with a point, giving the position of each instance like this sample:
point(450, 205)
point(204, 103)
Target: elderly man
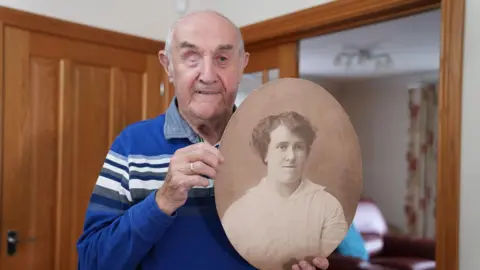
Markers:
point(153, 206)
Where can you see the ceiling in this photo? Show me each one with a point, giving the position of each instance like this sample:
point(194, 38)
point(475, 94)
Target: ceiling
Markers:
point(413, 44)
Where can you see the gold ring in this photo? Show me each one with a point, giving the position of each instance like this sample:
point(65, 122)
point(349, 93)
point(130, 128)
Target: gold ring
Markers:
point(191, 167)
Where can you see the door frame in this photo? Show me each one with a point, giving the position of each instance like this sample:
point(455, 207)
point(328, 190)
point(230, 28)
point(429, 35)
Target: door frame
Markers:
point(284, 57)
point(346, 14)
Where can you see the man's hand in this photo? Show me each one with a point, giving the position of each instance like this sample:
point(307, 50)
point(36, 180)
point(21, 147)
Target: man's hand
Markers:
point(319, 262)
point(187, 169)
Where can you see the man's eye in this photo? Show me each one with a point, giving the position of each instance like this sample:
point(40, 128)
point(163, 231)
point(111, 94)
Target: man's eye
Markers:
point(222, 59)
point(190, 56)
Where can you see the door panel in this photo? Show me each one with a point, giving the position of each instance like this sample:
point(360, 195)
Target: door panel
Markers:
point(83, 52)
point(64, 103)
point(90, 141)
point(29, 156)
point(124, 93)
point(43, 174)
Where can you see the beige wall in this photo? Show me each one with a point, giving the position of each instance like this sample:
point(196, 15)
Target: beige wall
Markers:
point(151, 18)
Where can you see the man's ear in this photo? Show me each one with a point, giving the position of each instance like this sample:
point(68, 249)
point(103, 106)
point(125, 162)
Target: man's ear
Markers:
point(246, 57)
point(163, 58)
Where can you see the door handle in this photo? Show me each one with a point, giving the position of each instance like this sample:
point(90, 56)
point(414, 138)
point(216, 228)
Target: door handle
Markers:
point(12, 241)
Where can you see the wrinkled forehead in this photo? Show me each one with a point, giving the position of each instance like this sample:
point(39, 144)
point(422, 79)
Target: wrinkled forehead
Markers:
point(206, 34)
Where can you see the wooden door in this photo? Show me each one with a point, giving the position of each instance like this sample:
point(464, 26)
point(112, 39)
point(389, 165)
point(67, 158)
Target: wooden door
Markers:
point(63, 103)
point(268, 64)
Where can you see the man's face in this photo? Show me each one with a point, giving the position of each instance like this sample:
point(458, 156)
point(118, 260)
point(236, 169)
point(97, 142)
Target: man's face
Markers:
point(206, 66)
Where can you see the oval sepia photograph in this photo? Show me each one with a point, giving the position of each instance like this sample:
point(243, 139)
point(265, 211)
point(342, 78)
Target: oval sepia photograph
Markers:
point(292, 176)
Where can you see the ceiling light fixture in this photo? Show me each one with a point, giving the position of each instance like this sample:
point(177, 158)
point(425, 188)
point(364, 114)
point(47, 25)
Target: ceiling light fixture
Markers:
point(362, 56)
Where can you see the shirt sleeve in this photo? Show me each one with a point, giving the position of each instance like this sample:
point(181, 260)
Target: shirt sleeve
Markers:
point(117, 233)
point(335, 226)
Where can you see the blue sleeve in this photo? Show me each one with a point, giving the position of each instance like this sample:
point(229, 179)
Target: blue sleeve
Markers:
point(353, 245)
point(117, 233)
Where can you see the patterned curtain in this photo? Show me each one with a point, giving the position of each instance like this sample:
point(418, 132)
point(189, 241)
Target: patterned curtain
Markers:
point(422, 161)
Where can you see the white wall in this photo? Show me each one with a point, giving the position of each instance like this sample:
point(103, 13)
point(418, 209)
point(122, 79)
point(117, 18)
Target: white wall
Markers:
point(146, 18)
point(252, 11)
point(378, 109)
point(470, 180)
point(152, 18)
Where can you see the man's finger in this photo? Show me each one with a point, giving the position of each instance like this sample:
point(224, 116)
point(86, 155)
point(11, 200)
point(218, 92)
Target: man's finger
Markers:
point(295, 267)
point(305, 266)
point(214, 150)
point(203, 145)
point(201, 168)
point(197, 146)
point(321, 263)
point(205, 156)
point(196, 180)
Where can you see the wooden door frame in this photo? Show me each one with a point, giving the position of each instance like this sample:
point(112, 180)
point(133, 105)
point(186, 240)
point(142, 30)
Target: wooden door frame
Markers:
point(346, 14)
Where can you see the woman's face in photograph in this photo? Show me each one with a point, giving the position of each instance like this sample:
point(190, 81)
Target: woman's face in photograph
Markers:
point(286, 155)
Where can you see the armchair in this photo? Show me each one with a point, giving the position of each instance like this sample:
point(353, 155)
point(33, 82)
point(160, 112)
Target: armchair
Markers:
point(396, 252)
point(406, 253)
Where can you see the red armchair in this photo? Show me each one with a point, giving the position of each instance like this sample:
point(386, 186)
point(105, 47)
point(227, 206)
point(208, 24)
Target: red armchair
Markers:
point(387, 250)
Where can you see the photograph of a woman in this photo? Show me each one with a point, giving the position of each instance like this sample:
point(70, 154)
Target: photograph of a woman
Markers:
point(286, 215)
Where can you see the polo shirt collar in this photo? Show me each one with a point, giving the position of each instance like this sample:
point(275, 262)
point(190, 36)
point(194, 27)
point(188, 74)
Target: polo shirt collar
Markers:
point(176, 127)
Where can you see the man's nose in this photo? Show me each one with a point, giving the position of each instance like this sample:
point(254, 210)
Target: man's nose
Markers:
point(208, 74)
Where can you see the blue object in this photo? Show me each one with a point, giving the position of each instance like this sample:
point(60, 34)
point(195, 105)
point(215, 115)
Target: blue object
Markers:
point(353, 245)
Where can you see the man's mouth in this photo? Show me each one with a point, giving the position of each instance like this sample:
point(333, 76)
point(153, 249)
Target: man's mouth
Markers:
point(206, 92)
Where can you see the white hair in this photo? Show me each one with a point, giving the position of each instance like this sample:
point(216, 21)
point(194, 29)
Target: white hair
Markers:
point(168, 41)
